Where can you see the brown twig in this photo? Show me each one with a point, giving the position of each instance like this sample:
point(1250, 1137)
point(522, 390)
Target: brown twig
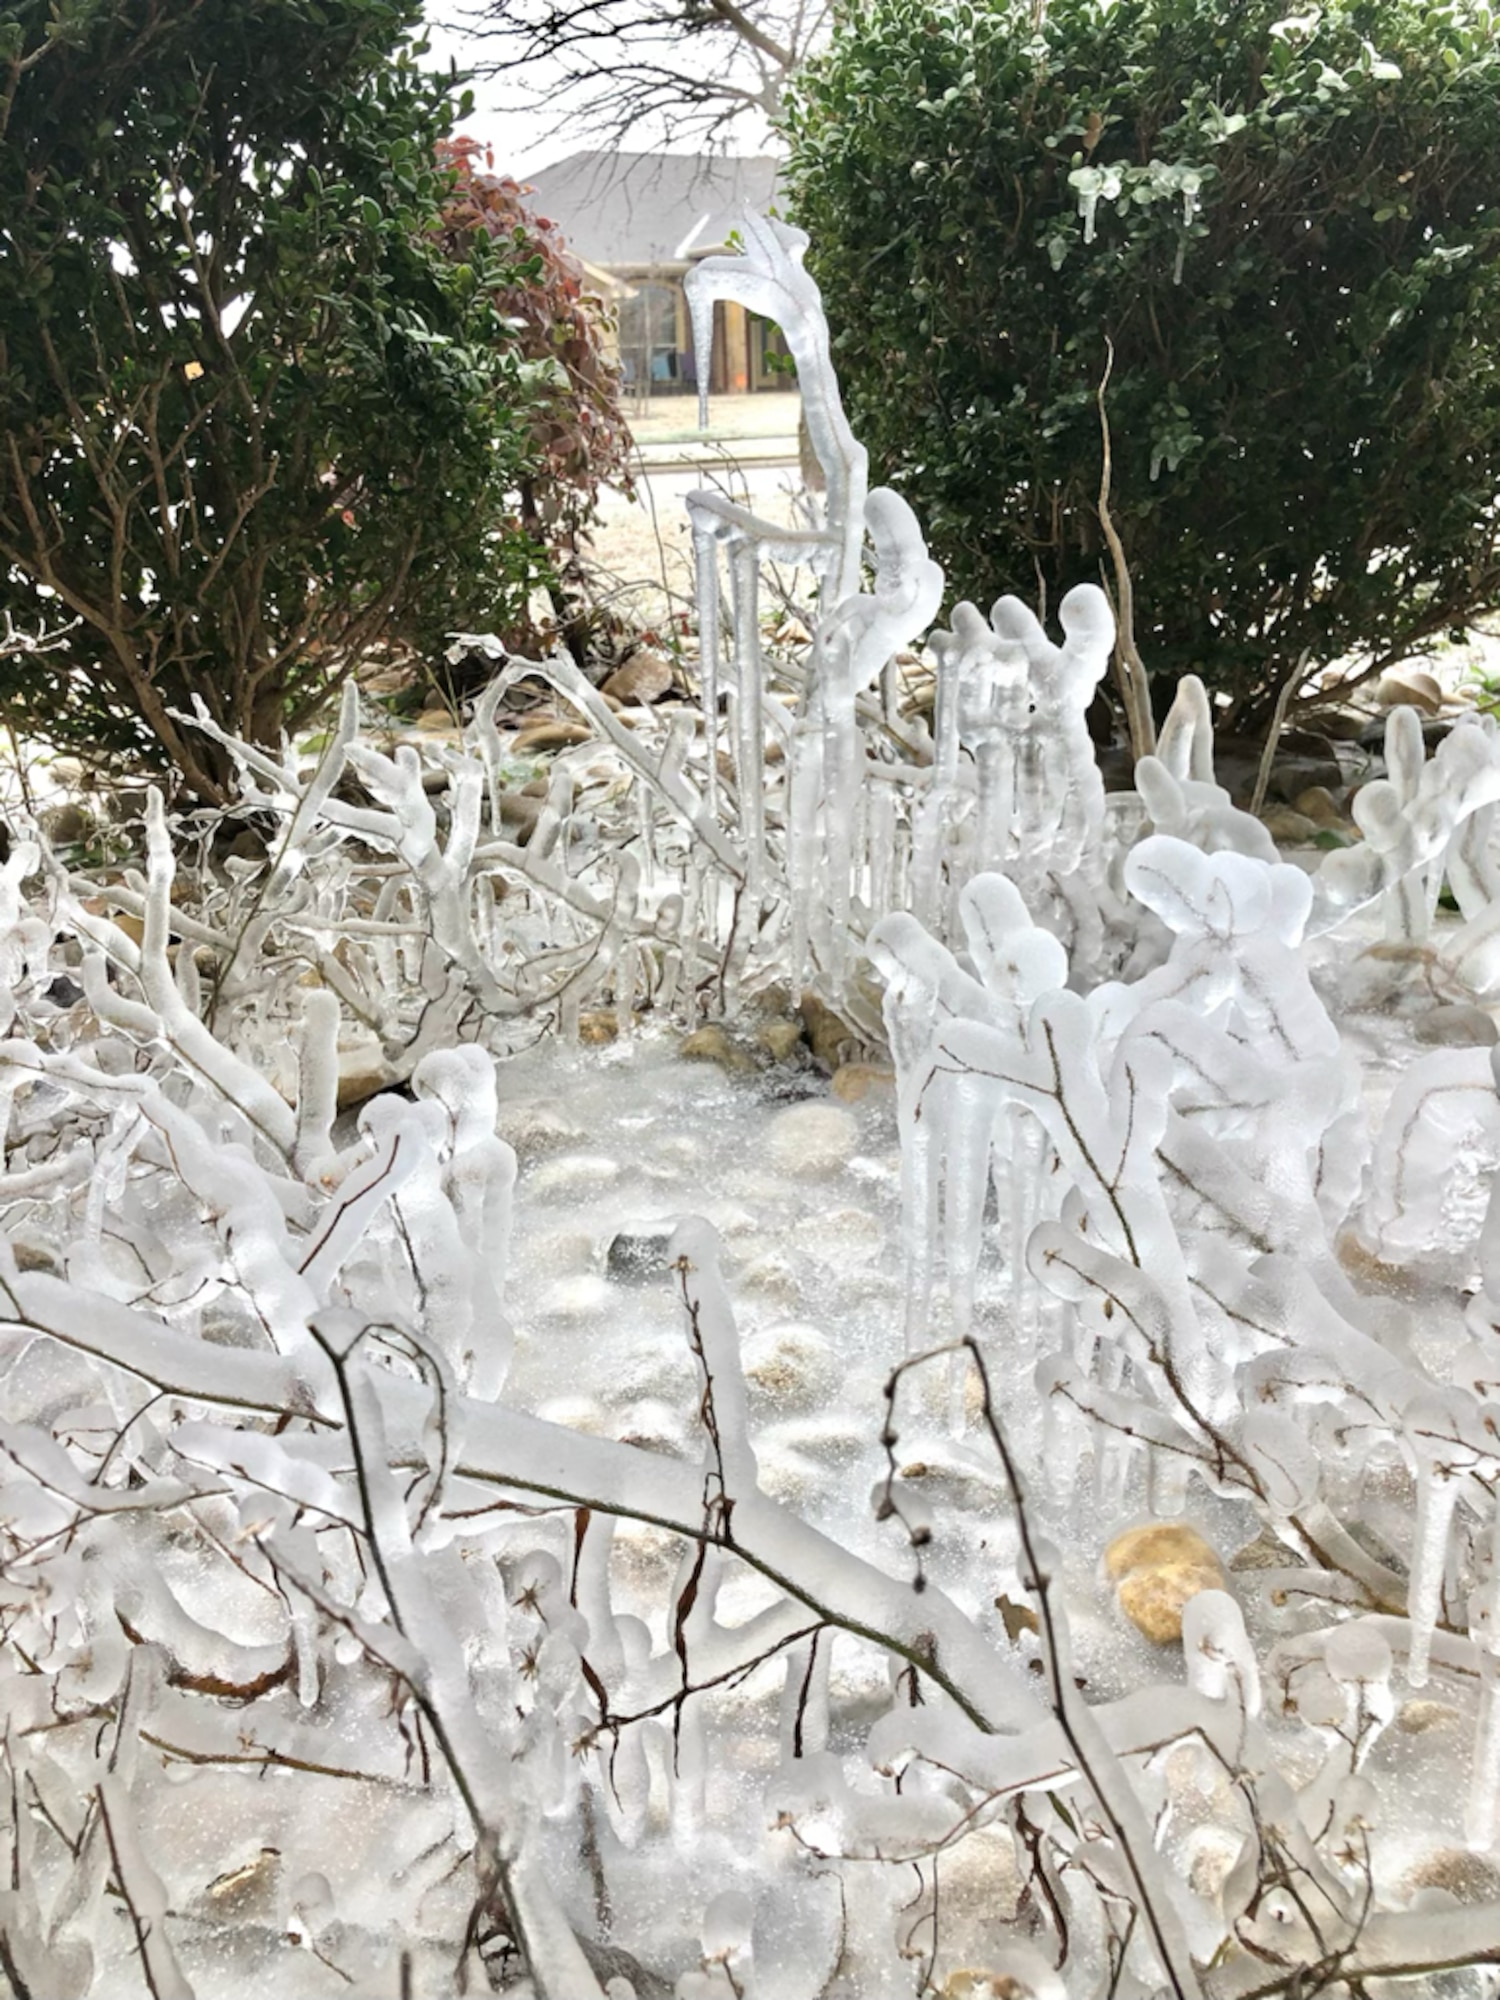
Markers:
point(1130, 671)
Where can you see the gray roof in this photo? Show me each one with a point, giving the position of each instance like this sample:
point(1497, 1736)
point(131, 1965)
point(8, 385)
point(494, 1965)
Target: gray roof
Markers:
point(636, 210)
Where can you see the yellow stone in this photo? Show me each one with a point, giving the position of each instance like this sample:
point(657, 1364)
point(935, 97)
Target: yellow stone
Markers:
point(1155, 1543)
point(1152, 1599)
point(1155, 1569)
point(550, 733)
point(779, 1039)
point(1467, 1877)
point(645, 677)
point(1415, 1718)
point(712, 1044)
point(854, 1081)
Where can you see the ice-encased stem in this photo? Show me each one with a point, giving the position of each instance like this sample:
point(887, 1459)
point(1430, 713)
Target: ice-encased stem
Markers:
point(145, 1897)
point(1482, 1807)
point(1437, 1496)
point(749, 743)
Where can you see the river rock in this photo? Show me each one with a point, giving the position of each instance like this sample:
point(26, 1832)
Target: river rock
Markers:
point(855, 1081)
point(33, 1253)
point(1318, 804)
point(1409, 686)
point(638, 1252)
point(645, 677)
point(1343, 725)
point(575, 1413)
point(781, 1039)
point(536, 1125)
point(573, 1175)
point(830, 1440)
point(714, 1044)
point(562, 1251)
point(1435, 730)
point(67, 825)
point(100, 906)
point(519, 813)
point(1416, 1717)
point(831, 1040)
point(247, 1891)
point(652, 1426)
point(1455, 1025)
point(1266, 1551)
point(970, 1982)
point(574, 1301)
point(1467, 1877)
point(1288, 828)
point(790, 1366)
point(772, 1277)
point(653, 1371)
point(362, 1073)
point(647, 1555)
point(549, 733)
point(1155, 1570)
point(812, 1140)
point(786, 1476)
point(844, 1236)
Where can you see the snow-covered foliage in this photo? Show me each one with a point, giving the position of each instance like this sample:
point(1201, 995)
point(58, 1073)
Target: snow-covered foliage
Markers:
point(368, 1625)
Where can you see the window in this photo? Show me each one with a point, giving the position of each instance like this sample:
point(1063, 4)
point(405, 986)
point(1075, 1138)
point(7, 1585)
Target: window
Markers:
point(648, 338)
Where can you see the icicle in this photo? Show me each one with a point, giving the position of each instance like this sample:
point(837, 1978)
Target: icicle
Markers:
point(701, 311)
point(317, 1081)
point(769, 278)
point(969, 1123)
point(185, 975)
point(1217, 1652)
point(883, 890)
point(1409, 905)
point(749, 730)
point(668, 929)
point(1482, 1806)
point(1167, 1475)
point(1114, 1454)
point(706, 583)
point(1437, 1496)
point(1470, 864)
point(627, 985)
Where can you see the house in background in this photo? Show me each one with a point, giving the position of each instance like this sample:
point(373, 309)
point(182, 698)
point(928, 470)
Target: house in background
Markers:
point(645, 219)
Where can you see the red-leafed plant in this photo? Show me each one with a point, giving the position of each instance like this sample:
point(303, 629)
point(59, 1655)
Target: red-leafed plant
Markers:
point(579, 426)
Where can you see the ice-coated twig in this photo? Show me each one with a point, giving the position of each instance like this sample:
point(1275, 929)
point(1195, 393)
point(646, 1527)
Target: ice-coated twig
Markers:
point(237, 1082)
point(1090, 1750)
point(1407, 824)
point(770, 279)
point(144, 1896)
point(675, 789)
point(433, 1669)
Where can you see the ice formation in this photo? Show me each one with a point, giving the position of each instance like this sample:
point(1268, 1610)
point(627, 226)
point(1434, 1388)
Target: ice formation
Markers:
point(381, 1614)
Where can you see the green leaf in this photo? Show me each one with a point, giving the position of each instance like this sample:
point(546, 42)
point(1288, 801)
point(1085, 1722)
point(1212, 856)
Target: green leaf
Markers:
point(383, 418)
point(970, 290)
